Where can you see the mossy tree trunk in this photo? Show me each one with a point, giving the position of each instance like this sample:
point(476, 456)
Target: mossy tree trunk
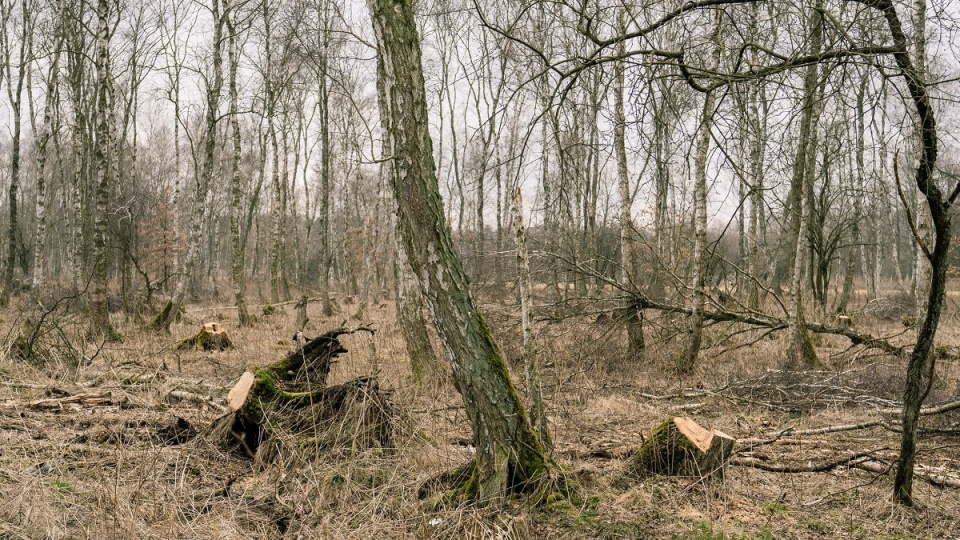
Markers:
point(509, 453)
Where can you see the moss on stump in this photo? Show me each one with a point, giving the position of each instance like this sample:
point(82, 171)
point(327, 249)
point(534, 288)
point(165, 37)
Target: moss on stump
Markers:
point(211, 337)
point(285, 409)
point(680, 447)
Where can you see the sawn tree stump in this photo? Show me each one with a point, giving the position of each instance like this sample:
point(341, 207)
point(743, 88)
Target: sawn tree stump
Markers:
point(680, 447)
point(289, 406)
point(211, 337)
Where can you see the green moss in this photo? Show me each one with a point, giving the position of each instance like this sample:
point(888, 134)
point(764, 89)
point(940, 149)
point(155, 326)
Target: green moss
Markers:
point(665, 451)
point(160, 323)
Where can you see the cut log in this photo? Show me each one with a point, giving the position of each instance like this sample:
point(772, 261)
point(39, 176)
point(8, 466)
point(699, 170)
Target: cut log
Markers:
point(211, 337)
point(288, 405)
point(681, 447)
point(240, 391)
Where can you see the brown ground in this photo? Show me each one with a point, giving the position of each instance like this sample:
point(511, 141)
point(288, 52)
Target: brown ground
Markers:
point(103, 465)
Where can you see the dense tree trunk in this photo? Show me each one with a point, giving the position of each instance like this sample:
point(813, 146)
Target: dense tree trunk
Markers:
point(509, 453)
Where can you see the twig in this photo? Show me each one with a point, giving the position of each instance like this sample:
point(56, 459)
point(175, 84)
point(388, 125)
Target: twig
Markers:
point(903, 199)
point(822, 467)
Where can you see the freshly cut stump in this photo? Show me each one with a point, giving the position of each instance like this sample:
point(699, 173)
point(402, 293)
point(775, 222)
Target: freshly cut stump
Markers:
point(211, 337)
point(681, 447)
point(287, 407)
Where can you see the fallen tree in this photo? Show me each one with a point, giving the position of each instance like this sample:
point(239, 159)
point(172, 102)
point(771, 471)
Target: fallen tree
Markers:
point(288, 405)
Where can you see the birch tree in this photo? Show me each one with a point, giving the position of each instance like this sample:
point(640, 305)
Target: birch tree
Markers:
point(510, 455)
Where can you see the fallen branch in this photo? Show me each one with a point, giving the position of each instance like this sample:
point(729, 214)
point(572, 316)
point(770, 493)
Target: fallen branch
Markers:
point(103, 398)
point(641, 301)
point(812, 468)
point(935, 476)
point(926, 411)
point(184, 395)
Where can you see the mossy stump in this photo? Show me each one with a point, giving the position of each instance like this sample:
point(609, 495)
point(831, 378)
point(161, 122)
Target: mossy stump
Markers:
point(211, 337)
point(681, 447)
point(286, 408)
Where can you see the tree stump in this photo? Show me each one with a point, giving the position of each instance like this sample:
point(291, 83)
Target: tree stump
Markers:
point(211, 337)
point(680, 447)
point(289, 405)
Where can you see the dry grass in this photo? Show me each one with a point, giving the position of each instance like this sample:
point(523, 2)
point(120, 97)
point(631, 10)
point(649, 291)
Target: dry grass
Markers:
point(108, 472)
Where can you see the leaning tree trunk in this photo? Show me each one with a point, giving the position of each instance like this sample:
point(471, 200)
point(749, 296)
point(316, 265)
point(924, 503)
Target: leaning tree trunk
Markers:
point(510, 455)
point(921, 359)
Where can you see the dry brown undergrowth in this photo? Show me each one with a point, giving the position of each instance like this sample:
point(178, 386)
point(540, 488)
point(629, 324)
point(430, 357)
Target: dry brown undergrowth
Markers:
point(106, 465)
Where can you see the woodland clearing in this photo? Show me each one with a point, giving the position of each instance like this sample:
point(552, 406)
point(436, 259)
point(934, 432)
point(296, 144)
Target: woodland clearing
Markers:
point(106, 450)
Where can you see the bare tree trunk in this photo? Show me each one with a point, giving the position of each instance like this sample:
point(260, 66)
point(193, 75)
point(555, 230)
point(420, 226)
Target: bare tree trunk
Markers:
point(103, 155)
point(47, 131)
point(538, 415)
point(326, 255)
point(510, 455)
point(15, 85)
point(689, 359)
point(202, 179)
point(238, 253)
point(922, 272)
point(633, 318)
point(800, 351)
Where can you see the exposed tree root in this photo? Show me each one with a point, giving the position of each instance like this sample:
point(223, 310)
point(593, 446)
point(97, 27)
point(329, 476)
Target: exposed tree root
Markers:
point(459, 485)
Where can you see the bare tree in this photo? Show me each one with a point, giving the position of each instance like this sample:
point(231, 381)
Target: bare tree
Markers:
point(19, 60)
point(202, 178)
point(510, 455)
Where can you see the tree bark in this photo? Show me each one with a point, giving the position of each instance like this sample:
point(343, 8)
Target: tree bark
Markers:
point(238, 253)
point(631, 317)
point(509, 453)
point(538, 415)
point(103, 155)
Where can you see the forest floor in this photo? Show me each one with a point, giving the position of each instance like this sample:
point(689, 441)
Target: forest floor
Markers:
point(100, 451)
